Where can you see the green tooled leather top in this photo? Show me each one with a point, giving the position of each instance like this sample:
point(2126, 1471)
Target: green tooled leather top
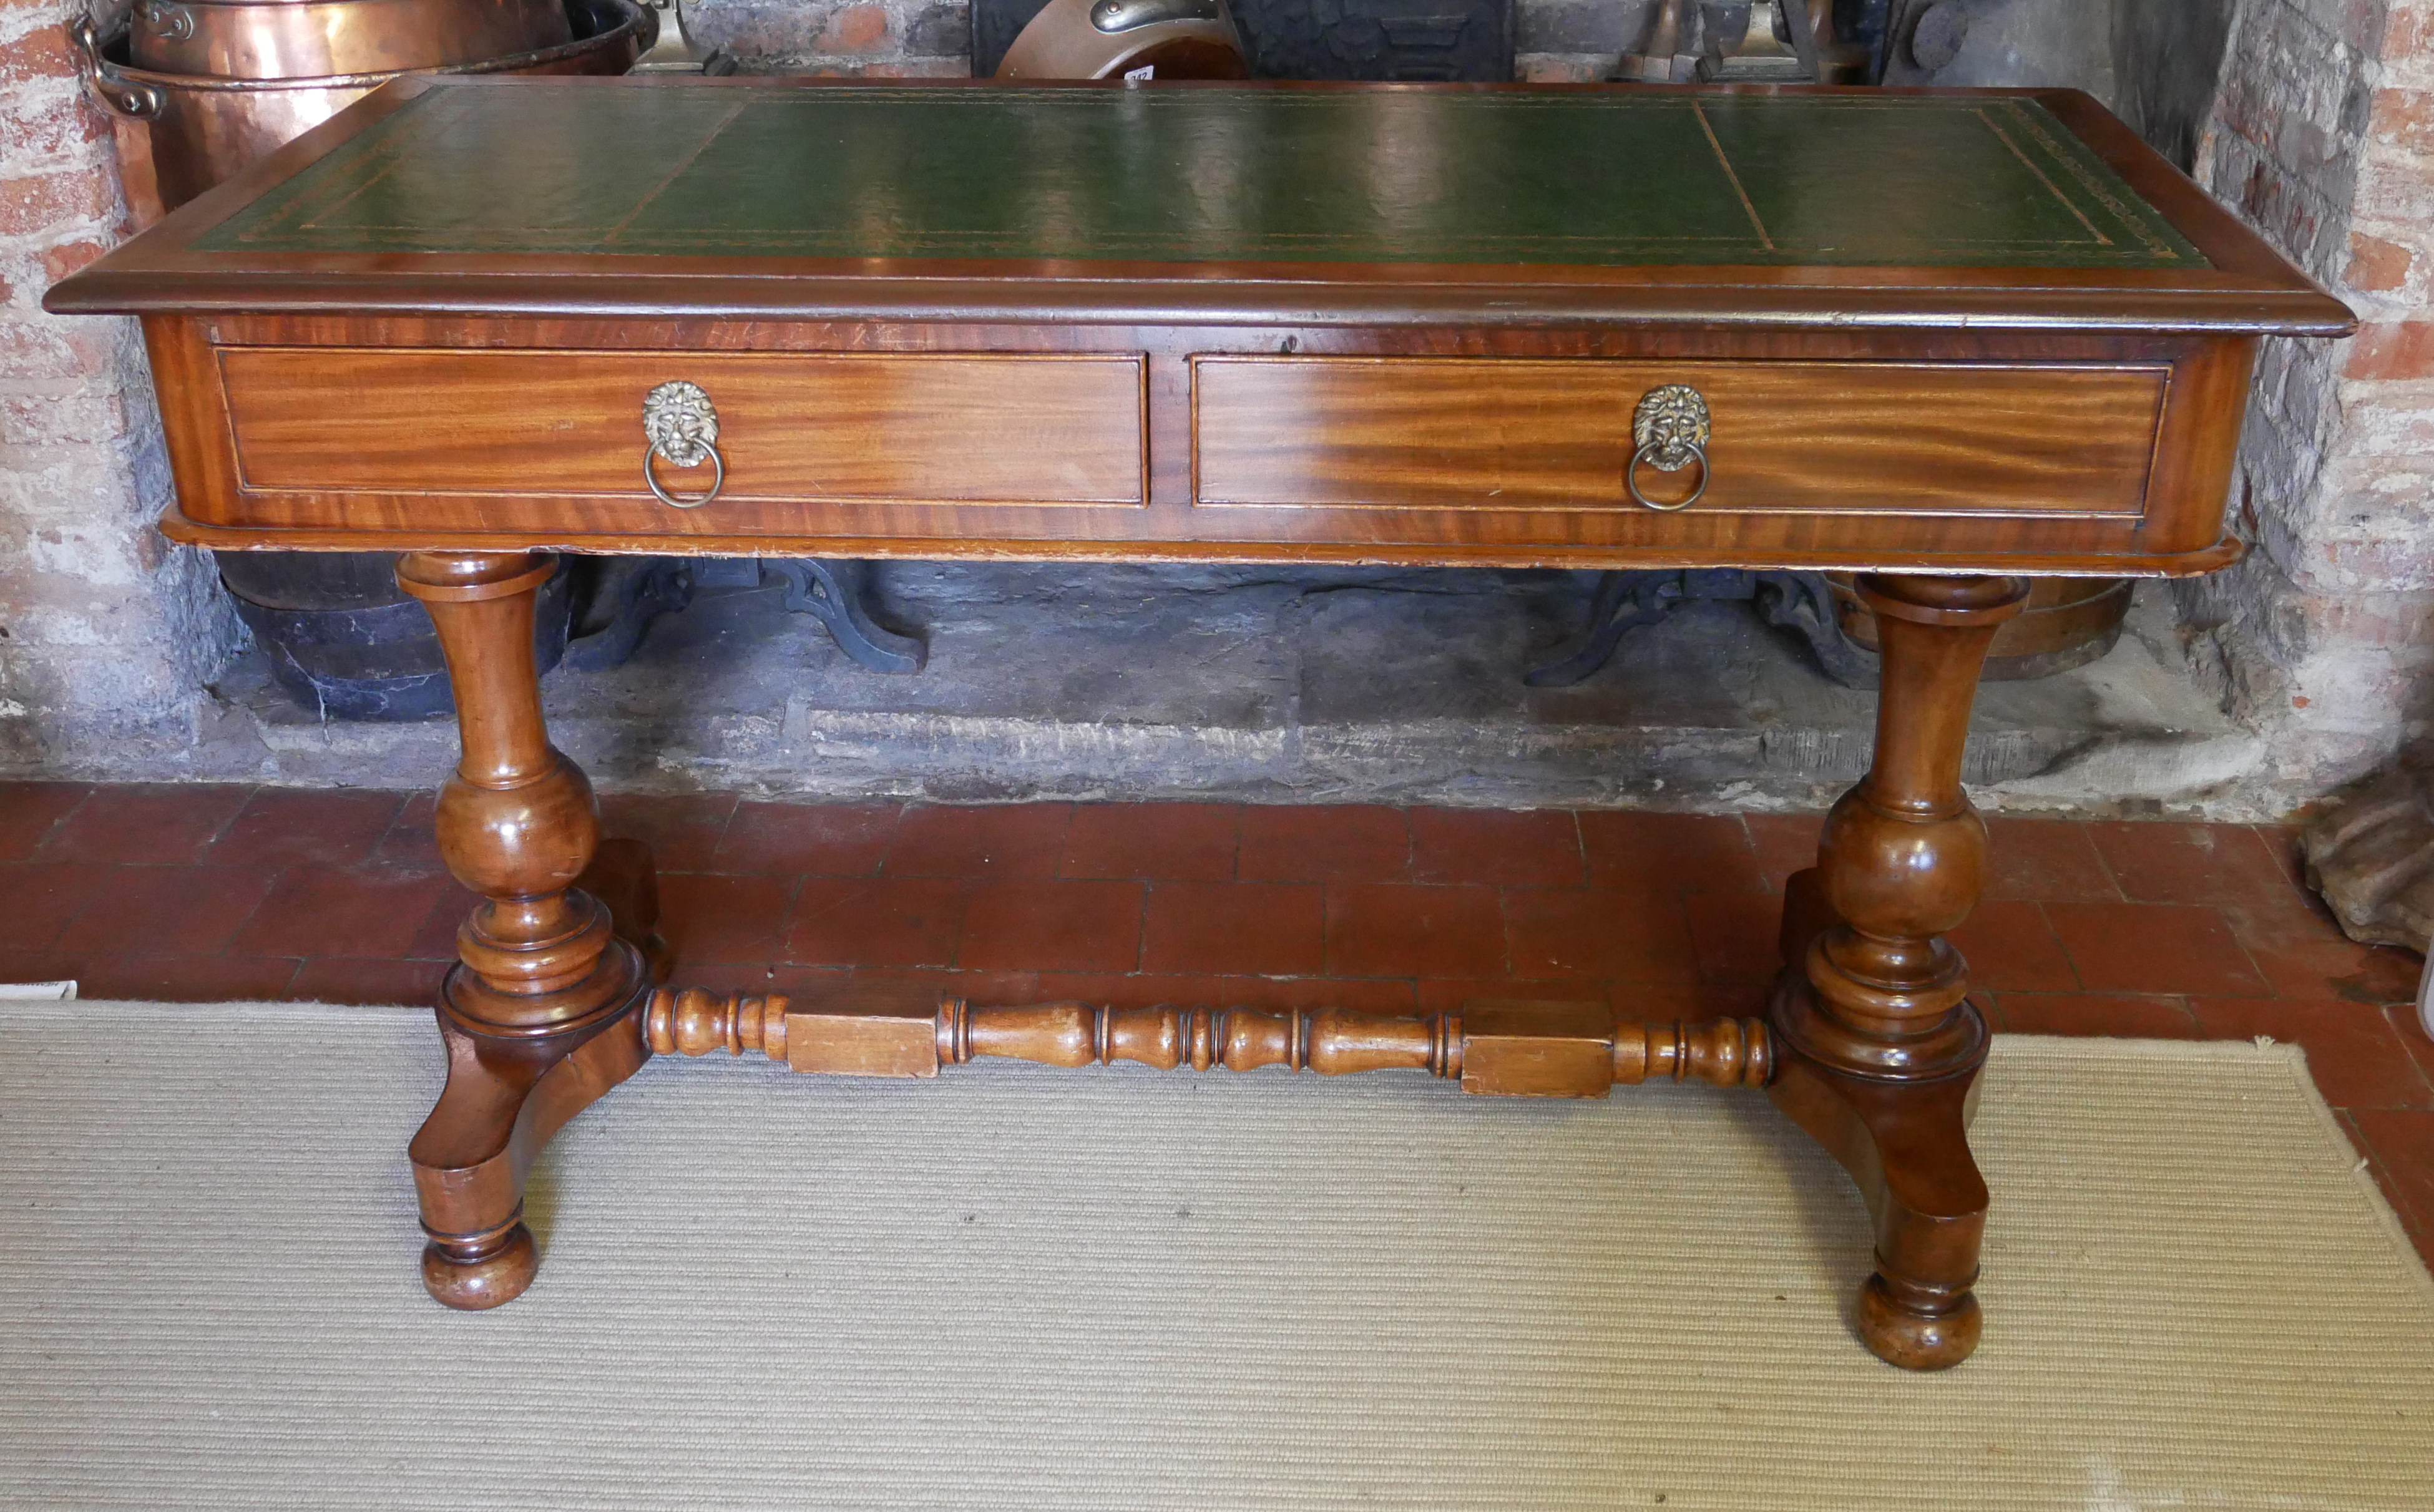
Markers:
point(1217, 175)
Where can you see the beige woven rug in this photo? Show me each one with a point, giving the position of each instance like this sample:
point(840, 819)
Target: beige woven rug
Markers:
point(1119, 1290)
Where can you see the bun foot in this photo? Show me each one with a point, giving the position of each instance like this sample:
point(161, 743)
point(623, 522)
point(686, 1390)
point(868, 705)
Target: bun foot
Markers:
point(483, 1272)
point(1916, 1338)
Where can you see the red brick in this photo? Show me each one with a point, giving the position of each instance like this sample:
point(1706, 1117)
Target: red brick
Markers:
point(2009, 948)
point(280, 826)
point(1403, 930)
point(145, 821)
point(1574, 931)
point(876, 921)
point(682, 829)
point(1053, 926)
point(187, 910)
point(41, 53)
point(814, 839)
point(1539, 848)
point(2044, 860)
point(2403, 118)
point(58, 262)
point(2391, 349)
point(1323, 843)
point(1235, 929)
point(707, 918)
point(2377, 266)
point(1182, 842)
point(1015, 840)
point(855, 29)
point(2354, 1050)
point(28, 810)
point(44, 200)
point(369, 911)
point(1669, 852)
point(2078, 1013)
point(2158, 948)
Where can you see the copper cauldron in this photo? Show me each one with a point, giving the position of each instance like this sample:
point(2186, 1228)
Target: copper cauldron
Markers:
point(203, 129)
point(317, 39)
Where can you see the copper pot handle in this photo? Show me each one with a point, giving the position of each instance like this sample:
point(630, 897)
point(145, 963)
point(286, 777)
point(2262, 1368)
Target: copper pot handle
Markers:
point(119, 94)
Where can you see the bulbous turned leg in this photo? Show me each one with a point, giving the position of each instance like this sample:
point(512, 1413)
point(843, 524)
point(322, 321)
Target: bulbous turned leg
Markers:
point(541, 1014)
point(1879, 1046)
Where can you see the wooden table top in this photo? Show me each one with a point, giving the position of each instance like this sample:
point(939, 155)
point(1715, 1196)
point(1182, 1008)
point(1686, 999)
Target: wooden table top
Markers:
point(1218, 202)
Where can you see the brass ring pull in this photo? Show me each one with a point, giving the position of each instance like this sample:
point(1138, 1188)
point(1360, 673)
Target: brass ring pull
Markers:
point(1650, 452)
point(1668, 428)
point(682, 427)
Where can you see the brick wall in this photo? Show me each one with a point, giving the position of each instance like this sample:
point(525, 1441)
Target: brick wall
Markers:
point(2323, 138)
point(107, 634)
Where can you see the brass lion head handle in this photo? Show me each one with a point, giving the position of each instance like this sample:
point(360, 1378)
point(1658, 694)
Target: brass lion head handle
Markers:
point(681, 424)
point(1669, 432)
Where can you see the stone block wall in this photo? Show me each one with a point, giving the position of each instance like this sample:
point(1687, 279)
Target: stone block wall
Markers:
point(2323, 137)
point(107, 634)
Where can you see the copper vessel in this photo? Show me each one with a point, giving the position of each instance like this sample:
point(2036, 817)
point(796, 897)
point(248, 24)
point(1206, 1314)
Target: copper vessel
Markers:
point(2068, 622)
point(1102, 39)
point(203, 129)
point(314, 39)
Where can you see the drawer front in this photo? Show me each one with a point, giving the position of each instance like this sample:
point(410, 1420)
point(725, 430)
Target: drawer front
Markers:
point(898, 427)
point(1491, 434)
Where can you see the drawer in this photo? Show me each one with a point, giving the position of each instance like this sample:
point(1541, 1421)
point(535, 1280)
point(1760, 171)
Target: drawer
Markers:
point(961, 428)
point(1503, 434)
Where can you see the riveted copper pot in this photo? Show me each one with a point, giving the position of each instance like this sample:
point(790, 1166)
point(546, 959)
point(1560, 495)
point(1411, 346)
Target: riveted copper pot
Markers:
point(317, 39)
point(203, 129)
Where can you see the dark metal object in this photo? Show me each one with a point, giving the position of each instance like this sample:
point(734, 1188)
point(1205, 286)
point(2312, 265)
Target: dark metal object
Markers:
point(1466, 40)
point(1800, 601)
point(364, 660)
point(622, 598)
point(837, 592)
point(676, 51)
point(1113, 16)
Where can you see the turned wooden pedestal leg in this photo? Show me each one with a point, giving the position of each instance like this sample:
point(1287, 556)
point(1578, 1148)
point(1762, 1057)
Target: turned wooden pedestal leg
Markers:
point(541, 1014)
point(1877, 1046)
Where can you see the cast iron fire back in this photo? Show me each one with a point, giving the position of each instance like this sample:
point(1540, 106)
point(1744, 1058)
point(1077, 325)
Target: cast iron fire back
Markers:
point(1467, 40)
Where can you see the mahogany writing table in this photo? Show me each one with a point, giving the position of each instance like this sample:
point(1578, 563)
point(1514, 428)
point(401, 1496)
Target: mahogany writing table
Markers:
point(1945, 339)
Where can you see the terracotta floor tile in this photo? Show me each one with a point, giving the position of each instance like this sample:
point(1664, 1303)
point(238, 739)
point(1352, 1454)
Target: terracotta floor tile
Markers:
point(39, 898)
point(682, 829)
point(364, 911)
point(1576, 932)
point(280, 826)
point(186, 978)
point(2405, 1023)
point(2337, 967)
point(2403, 1144)
point(28, 810)
point(1785, 843)
point(1446, 994)
point(2354, 1050)
point(2009, 948)
point(1671, 852)
point(810, 839)
point(1407, 930)
point(2161, 862)
point(1053, 926)
point(1736, 934)
point(1001, 842)
point(1179, 842)
point(1150, 990)
point(356, 980)
point(2121, 1017)
point(163, 822)
point(410, 840)
point(876, 921)
point(435, 938)
point(188, 910)
point(38, 966)
point(2162, 948)
point(1350, 843)
point(1241, 928)
point(2043, 861)
point(710, 918)
point(1533, 847)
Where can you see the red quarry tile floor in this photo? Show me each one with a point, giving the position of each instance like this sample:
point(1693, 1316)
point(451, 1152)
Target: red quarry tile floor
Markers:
point(2151, 929)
